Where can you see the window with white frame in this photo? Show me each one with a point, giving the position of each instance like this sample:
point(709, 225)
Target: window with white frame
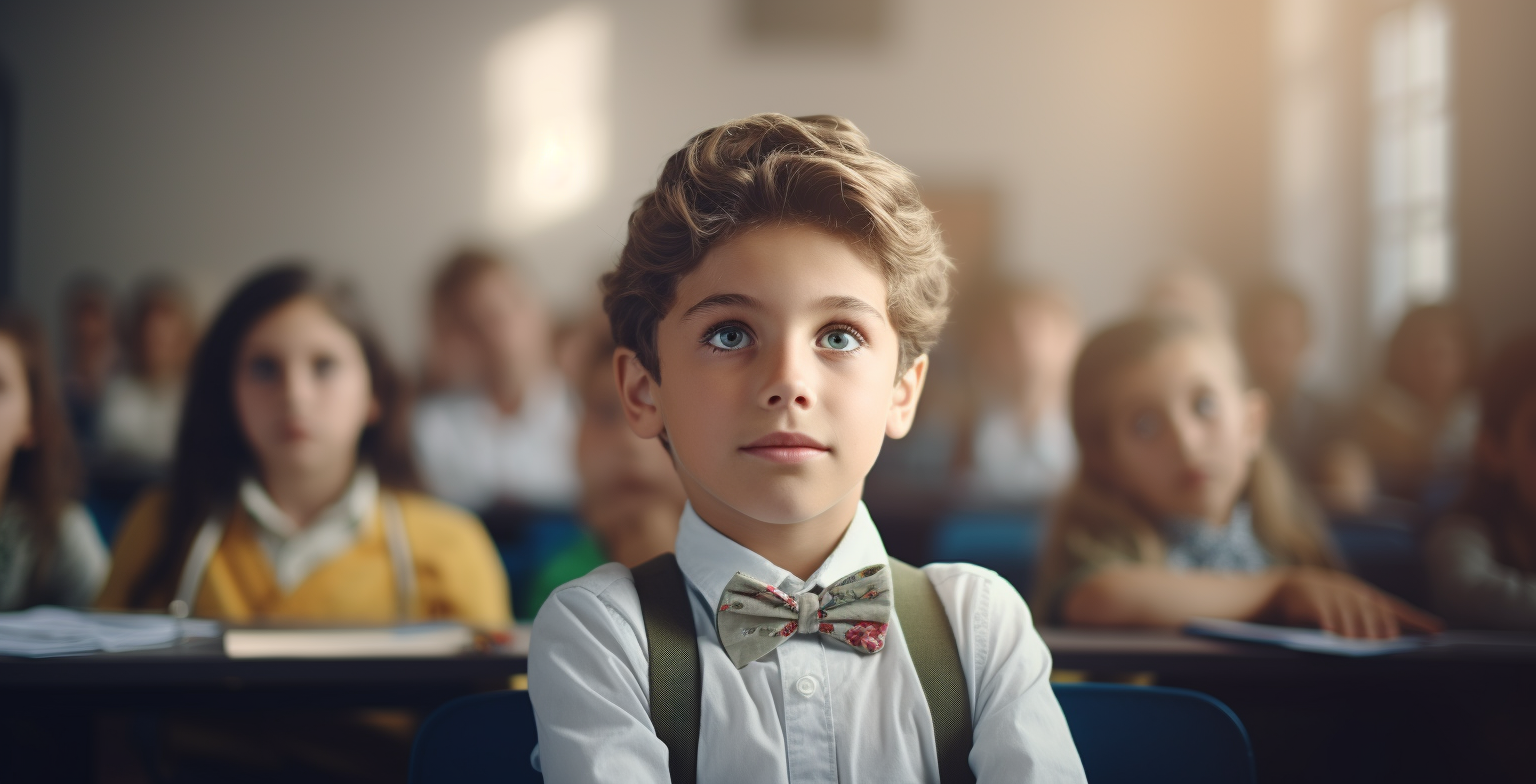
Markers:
point(1413, 242)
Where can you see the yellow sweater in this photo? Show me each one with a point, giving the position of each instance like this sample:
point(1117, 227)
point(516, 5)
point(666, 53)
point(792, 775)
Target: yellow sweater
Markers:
point(458, 573)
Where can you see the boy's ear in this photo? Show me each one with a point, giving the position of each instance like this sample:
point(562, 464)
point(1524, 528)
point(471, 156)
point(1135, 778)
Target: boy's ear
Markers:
point(638, 393)
point(904, 398)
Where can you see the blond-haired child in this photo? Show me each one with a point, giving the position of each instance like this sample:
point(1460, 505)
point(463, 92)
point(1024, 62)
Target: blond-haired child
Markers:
point(774, 306)
point(1180, 510)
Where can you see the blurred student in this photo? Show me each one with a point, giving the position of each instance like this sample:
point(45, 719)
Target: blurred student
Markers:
point(50, 552)
point(1021, 343)
point(631, 498)
point(509, 437)
point(90, 353)
point(293, 491)
point(1274, 331)
point(140, 408)
point(1180, 510)
point(1482, 557)
point(1419, 423)
point(1187, 287)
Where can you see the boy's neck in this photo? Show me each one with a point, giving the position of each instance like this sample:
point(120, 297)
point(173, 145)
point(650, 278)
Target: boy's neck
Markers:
point(800, 548)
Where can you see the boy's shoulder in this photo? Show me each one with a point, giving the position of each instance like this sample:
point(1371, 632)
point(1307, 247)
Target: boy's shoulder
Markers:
point(973, 594)
point(610, 587)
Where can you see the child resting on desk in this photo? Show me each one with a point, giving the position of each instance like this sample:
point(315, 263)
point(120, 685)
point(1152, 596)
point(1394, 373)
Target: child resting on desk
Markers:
point(774, 306)
point(1482, 557)
point(1180, 510)
point(50, 552)
point(292, 492)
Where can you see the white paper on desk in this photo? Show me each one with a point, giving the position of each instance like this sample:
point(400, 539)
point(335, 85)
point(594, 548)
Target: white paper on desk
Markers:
point(58, 631)
point(441, 638)
point(1308, 640)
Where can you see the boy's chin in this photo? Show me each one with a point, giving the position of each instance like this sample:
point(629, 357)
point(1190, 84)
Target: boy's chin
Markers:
point(786, 508)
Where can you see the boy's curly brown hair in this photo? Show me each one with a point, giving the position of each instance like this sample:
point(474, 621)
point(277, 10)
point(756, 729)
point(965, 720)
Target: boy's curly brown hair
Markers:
point(771, 169)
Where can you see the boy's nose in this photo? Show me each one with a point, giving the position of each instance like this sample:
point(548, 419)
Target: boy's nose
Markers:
point(787, 386)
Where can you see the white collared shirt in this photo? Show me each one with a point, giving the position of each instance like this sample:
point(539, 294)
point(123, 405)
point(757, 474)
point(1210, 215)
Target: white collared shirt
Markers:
point(813, 710)
point(296, 552)
point(474, 456)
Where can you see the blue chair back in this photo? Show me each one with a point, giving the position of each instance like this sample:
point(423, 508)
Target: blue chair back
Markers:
point(1124, 734)
point(1153, 734)
point(1384, 553)
point(1007, 542)
point(481, 738)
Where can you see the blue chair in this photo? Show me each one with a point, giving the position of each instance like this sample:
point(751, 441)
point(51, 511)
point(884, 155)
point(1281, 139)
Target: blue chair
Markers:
point(1007, 542)
point(1124, 734)
point(480, 738)
point(1152, 734)
point(1384, 553)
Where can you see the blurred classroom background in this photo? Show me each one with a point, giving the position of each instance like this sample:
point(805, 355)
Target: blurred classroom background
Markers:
point(1358, 158)
point(1345, 185)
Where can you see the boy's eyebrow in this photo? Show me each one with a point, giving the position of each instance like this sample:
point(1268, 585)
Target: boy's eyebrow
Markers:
point(854, 304)
point(719, 301)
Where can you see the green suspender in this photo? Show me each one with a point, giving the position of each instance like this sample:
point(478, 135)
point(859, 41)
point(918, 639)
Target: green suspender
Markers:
point(931, 642)
point(676, 676)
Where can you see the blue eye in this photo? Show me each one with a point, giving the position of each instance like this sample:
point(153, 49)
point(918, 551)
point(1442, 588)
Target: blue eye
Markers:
point(729, 338)
point(839, 340)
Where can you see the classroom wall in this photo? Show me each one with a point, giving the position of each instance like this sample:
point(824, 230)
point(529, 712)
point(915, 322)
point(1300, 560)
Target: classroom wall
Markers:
point(202, 138)
point(1495, 106)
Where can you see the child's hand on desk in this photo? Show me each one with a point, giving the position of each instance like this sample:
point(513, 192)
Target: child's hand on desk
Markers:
point(1338, 603)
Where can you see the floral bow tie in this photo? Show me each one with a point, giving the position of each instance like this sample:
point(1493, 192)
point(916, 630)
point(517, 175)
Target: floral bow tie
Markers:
point(754, 617)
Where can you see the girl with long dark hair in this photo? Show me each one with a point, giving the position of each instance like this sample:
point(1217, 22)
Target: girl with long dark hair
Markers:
point(292, 494)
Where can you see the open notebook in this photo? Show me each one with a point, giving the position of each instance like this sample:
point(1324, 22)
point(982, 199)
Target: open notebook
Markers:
point(1309, 640)
point(59, 631)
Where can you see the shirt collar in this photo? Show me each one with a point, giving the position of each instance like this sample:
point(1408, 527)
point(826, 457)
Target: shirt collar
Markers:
point(350, 510)
point(709, 558)
point(1240, 522)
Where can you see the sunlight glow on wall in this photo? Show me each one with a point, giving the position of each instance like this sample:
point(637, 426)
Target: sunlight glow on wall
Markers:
point(549, 129)
point(1411, 183)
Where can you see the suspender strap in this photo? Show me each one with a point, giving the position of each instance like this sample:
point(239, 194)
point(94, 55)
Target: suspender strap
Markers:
point(400, 560)
point(203, 547)
point(676, 677)
point(931, 642)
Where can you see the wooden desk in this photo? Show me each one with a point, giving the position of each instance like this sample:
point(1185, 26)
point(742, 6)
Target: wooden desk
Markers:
point(198, 673)
point(1462, 713)
point(1492, 657)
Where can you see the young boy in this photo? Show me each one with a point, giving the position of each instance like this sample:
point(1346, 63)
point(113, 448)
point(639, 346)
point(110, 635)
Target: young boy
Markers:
point(773, 306)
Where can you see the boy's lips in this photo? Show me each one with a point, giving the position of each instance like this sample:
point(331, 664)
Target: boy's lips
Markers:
point(786, 448)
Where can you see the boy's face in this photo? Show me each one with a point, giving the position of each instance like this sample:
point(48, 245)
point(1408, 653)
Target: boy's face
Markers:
point(1183, 432)
point(778, 360)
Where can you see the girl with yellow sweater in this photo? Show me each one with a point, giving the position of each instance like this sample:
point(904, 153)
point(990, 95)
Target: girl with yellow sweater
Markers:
point(292, 495)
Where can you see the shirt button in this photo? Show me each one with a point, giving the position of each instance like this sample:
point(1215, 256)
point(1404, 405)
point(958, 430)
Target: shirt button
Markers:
point(806, 686)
